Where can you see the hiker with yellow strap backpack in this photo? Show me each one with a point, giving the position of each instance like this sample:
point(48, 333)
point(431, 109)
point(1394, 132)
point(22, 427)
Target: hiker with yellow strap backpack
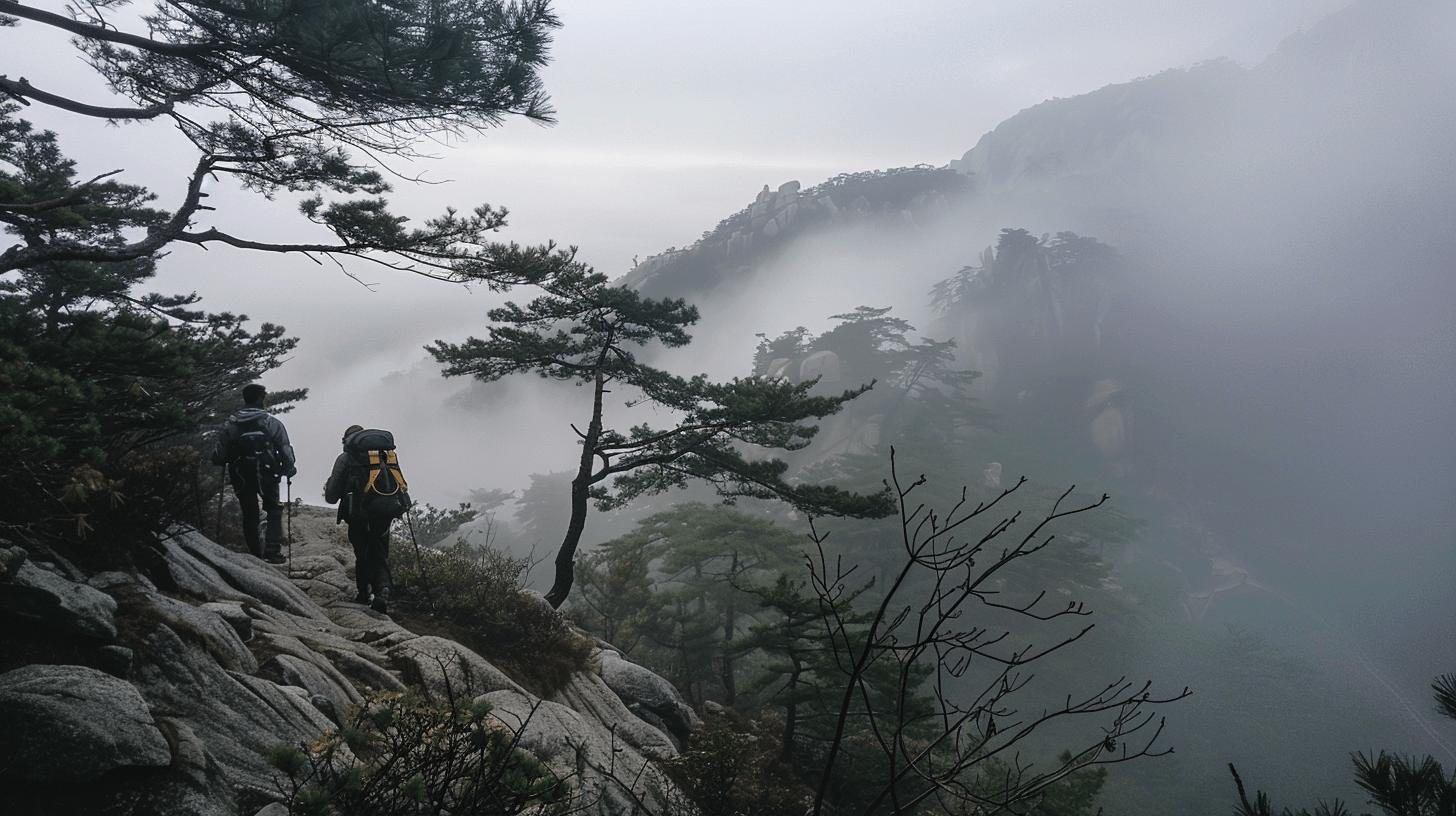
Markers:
point(371, 491)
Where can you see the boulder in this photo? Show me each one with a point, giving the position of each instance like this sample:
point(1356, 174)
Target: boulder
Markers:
point(327, 683)
point(10, 560)
point(246, 575)
point(345, 669)
point(194, 622)
point(786, 216)
point(781, 368)
point(73, 724)
point(208, 628)
point(589, 696)
point(115, 660)
point(236, 716)
point(822, 364)
point(195, 578)
point(39, 596)
point(235, 615)
point(443, 668)
point(365, 673)
point(640, 688)
point(113, 580)
point(194, 784)
point(572, 745)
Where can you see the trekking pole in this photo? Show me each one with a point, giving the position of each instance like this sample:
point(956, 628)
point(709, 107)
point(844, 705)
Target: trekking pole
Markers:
point(290, 526)
point(409, 518)
point(221, 485)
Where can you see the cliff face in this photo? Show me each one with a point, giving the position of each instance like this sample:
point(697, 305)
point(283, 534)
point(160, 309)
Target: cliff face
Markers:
point(165, 700)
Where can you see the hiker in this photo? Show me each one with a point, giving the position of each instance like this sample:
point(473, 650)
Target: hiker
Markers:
point(371, 492)
point(254, 446)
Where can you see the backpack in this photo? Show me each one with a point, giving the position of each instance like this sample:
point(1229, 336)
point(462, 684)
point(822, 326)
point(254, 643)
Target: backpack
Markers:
point(381, 494)
point(252, 451)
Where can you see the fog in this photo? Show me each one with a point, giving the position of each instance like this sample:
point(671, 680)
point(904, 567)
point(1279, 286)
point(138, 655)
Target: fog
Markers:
point(658, 138)
point(1286, 219)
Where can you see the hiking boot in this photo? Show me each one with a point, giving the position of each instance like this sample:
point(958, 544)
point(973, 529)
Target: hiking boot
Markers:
point(276, 558)
point(361, 597)
point(381, 601)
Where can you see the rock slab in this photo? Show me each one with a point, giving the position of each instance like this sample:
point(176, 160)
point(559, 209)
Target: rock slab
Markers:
point(74, 724)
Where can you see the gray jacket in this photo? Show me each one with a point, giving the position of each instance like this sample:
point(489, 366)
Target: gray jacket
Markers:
point(272, 428)
point(338, 484)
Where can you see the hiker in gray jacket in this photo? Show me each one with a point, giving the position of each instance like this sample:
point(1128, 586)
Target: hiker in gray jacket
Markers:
point(254, 446)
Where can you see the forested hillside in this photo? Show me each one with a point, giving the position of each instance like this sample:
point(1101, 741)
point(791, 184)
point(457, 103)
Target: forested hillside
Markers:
point(1102, 469)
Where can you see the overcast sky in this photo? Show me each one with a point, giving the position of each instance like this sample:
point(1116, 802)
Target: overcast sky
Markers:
point(672, 116)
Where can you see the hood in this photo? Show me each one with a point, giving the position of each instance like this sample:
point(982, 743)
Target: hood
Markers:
point(248, 413)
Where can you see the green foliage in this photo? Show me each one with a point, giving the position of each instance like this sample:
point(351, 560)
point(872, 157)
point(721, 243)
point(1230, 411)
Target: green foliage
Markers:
point(1041, 310)
point(674, 591)
point(585, 331)
point(1398, 785)
point(431, 526)
point(920, 386)
point(1444, 689)
point(298, 89)
point(475, 595)
point(733, 768)
point(617, 597)
point(404, 754)
point(795, 668)
point(1406, 786)
point(865, 194)
point(104, 390)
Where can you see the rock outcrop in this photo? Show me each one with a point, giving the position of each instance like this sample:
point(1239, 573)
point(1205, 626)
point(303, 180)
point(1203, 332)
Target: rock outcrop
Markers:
point(74, 724)
point(38, 596)
point(906, 195)
point(649, 696)
point(188, 686)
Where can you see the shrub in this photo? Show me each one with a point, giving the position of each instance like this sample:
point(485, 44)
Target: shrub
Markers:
point(477, 596)
point(404, 754)
point(734, 768)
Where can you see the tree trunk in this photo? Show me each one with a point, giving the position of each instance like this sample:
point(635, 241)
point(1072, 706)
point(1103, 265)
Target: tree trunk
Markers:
point(791, 711)
point(566, 555)
point(730, 622)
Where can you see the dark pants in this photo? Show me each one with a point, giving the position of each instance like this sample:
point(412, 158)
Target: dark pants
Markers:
point(371, 555)
point(250, 488)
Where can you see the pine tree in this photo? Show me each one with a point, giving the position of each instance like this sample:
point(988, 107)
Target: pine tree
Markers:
point(1398, 785)
point(585, 331)
point(284, 98)
point(714, 553)
point(104, 389)
point(618, 599)
point(794, 670)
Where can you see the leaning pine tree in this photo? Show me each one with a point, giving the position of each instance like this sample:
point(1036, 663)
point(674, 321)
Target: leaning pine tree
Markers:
point(584, 330)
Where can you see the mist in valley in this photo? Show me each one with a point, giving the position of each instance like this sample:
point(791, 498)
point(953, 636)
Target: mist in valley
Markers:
point(1262, 379)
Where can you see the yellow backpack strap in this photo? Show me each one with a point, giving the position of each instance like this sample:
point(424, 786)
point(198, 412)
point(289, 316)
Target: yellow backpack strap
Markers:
point(373, 471)
point(394, 471)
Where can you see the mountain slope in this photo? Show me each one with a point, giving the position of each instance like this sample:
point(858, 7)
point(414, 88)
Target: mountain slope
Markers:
point(167, 699)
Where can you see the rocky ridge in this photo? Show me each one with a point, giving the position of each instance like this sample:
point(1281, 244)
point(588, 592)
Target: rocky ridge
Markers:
point(908, 195)
point(176, 692)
